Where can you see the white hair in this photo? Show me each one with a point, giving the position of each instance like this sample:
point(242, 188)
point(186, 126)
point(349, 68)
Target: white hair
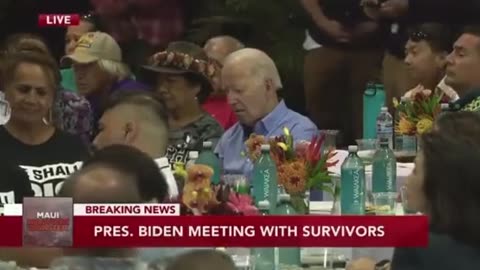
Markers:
point(120, 71)
point(259, 63)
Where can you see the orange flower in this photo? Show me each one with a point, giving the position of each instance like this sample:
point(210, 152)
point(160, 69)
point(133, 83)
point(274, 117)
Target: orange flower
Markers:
point(405, 126)
point(293, 177)
point(254, 144)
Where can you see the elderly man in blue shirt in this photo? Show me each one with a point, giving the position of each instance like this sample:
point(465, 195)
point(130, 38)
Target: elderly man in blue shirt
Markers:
point(251, 81)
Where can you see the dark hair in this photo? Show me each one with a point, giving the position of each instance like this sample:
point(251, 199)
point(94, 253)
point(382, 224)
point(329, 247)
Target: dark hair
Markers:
point(150, 181)
point(472, 29)
point(92, 19)
point(26, 42)
point(451, 184)
point(45, 61)
point(460, 124)
point(439, 37)
point(141, 98)
point(205, 86)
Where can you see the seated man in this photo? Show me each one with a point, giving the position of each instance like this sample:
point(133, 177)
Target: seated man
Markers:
point(463, 65)
point(138, 119)
point(218, 48)
point(426, 58)
point(251, 81)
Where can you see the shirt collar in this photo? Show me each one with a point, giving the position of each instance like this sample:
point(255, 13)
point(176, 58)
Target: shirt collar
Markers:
point(270, 121)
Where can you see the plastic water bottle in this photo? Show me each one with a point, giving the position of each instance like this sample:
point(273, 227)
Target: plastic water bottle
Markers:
point(265, 258)
point(207, 157)
point(385, 126)
point(287, 256)
point(384, 169)
point(352, 182)
point(192, 158)
point(265, 184)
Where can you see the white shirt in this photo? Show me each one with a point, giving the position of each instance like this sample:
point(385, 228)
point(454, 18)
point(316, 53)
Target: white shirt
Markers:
point(166, 170)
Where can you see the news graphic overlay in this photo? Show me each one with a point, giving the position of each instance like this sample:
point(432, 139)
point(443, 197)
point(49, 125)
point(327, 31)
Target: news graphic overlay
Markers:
point(48, 222)
point(58, 20)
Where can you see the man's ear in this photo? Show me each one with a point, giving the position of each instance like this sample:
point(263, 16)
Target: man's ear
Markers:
point(269, 85)
point(132, 131)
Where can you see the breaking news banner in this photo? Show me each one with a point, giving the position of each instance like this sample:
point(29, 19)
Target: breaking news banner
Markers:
point(160, 225)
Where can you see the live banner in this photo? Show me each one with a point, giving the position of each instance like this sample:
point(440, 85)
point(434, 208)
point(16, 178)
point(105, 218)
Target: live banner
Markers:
point(232, 231)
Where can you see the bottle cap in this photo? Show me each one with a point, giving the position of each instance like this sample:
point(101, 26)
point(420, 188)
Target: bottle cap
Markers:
point(264, 205)
point(192, 155)
point(207, 144)
point(265, 147)
point(445, 106)
point(284, 197)
point(384, 109)
point(352, 148)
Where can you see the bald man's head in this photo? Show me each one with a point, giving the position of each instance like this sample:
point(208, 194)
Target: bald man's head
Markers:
point(251, 81)
point(101, 183)
point(137, 119)
point(221, 46)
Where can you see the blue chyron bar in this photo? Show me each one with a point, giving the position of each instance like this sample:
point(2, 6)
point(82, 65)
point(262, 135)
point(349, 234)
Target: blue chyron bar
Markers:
point(48, 222)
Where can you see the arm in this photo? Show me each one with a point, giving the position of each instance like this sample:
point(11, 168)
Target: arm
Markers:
point(315, 12)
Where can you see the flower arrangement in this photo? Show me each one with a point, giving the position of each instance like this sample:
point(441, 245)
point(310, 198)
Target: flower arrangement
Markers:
point(200, 197)
point(418, 112)
point(301, 167)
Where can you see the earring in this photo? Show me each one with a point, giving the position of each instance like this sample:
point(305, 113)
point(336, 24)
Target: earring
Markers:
point(50, 118)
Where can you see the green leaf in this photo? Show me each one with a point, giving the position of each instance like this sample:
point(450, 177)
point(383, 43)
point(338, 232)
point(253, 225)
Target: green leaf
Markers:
point(298, 203)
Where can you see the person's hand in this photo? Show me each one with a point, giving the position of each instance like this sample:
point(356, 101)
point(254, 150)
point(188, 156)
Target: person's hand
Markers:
point(393, 8)
point(362, 264)
point(336, 31)
point(410, 94)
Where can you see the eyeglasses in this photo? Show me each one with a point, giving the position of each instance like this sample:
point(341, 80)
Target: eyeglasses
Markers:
point(88, 17)
point(418, 36)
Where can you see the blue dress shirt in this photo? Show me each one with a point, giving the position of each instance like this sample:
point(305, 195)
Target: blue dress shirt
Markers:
point(232, 143)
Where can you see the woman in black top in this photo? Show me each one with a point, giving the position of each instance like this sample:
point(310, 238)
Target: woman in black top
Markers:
point(28, 139)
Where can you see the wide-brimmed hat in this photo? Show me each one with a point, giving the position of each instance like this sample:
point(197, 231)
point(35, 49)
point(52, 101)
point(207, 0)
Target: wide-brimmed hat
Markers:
point(92, 47)
point(179, 58)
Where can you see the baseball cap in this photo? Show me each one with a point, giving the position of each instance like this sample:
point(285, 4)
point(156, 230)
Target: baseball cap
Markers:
point(94, 46)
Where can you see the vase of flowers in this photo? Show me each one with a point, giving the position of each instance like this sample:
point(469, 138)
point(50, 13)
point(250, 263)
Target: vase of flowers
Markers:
point(200, 196)
point(301, 166)
point(416, 114)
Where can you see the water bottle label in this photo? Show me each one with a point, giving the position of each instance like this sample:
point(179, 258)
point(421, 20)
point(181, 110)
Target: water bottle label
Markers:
point(384, 128)
point(353, 191)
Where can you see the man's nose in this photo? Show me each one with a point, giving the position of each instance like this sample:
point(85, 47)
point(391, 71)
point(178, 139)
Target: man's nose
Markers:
point(450, 59)
point(408, 60)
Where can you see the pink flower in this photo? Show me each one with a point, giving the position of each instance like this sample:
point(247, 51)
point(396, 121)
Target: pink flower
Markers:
point(242, 203)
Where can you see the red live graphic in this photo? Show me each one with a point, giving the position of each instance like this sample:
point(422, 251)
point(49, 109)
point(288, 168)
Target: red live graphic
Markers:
point(58, 20)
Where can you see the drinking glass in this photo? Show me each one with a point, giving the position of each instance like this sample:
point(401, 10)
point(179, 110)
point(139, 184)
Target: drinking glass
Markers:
point(404, 198)
point(366, 149)
point(238, 182)
point(330, 139)
point(384, 203)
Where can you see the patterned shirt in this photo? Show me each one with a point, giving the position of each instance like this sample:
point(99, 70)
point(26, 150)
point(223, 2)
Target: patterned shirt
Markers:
point(73, 114)
point(191, 138)
point(470, 102)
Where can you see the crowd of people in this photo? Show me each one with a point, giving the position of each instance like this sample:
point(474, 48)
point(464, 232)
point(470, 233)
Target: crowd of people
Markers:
point(101, 128)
